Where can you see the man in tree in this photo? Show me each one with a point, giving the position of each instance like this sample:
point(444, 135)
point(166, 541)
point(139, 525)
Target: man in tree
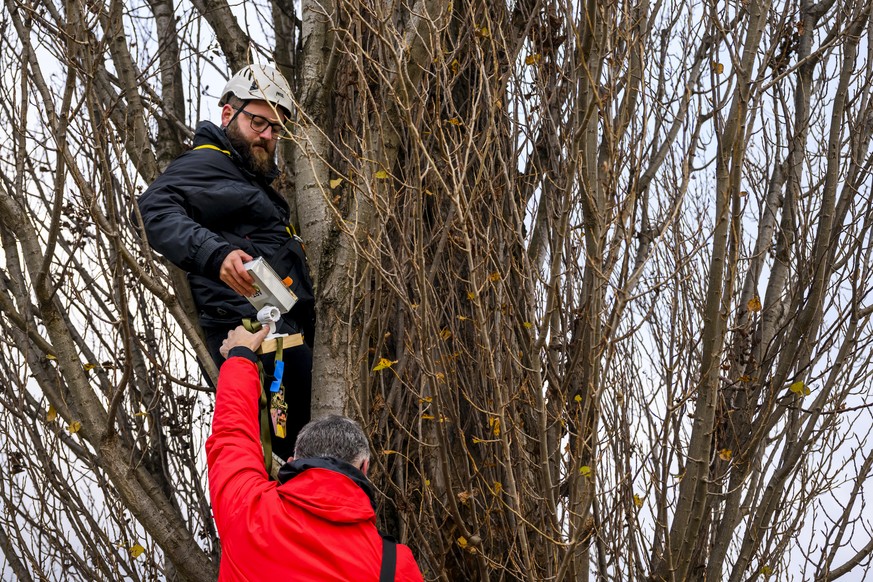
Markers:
point(318, 522)
point(213, 209)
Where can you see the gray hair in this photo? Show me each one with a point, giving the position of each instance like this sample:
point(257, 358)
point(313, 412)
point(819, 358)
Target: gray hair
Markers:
point(334, 436)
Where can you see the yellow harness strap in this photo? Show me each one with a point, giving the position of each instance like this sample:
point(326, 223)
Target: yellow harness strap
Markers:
point(209, 146)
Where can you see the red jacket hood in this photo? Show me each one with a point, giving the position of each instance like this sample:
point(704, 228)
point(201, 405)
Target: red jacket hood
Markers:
point(329, 489)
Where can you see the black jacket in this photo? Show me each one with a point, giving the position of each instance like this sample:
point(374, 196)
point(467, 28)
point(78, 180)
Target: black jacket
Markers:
point(205, 205)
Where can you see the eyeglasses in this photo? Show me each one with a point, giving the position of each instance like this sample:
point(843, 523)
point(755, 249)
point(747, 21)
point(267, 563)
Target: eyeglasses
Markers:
point(260, 124)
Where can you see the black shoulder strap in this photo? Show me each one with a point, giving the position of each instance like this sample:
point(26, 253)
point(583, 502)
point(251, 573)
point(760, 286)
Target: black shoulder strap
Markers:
point(389, 559)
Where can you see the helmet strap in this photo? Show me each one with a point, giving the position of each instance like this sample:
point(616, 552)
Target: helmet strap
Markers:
point(237, 111)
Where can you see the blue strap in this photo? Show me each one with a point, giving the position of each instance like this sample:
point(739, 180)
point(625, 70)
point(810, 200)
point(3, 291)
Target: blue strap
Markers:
point(278, 371)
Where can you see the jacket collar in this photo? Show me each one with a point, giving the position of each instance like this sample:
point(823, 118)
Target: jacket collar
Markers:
point(209, 133)
point(298, 466)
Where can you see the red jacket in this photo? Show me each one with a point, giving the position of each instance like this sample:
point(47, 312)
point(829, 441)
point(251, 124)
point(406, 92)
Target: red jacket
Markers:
point(317, 525)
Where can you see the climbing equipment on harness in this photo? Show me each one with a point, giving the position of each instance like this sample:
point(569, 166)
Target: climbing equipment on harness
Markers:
point(278, 408)
point(273, 410)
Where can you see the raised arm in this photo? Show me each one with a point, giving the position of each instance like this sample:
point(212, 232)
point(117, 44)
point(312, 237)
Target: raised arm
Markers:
point(234, 455)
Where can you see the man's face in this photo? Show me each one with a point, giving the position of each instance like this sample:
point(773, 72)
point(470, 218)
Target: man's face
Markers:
point(257, 149)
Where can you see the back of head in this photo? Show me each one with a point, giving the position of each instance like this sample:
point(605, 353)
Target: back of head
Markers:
point(259, 82)
point(334, 436)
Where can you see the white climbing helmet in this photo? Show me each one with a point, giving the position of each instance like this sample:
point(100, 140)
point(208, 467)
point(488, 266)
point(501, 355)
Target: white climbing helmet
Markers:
point(259, 82)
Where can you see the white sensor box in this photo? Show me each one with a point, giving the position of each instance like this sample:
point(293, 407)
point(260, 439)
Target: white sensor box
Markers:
point(270, 291)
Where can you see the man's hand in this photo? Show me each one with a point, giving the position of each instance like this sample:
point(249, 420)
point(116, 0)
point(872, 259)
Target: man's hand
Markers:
point(235, 275)
point(240, 337)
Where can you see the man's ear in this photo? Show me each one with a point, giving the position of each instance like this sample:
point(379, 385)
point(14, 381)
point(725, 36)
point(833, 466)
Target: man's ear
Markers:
point(365, 466)
point(226, 114)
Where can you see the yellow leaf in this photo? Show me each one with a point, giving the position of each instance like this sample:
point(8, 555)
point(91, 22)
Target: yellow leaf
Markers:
point(426, 399)
point(494, 424)
point(527, 324)
point(578, 398)
point(745, 379)
point(440, 377)
point(766, 571)
point(427, 482)
point(464, 496)
point(88, 367)
point(383, 363)
point(494, 277)
point(445, 334)
point(498, 487)
point(335, 182)
point(381, 175)
point(388, 452)
point(754, 304)
point(484, 32)
point(136, 551)
point(638, 501)
point(455, 66)
point(533, 59)
point(718, 68)
point(51, 415)
point(463, 318)
point(800, 388)
point(74, 427)
point(585, 471)
point(455, 121)
point(462, 541)
point(141, 414)
point(470, 295)
point(427, 417)
point(725, 454)
point(476, 440)
point(50, 357)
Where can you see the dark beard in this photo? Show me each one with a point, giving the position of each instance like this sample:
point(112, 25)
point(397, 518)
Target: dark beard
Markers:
point(261, 167)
